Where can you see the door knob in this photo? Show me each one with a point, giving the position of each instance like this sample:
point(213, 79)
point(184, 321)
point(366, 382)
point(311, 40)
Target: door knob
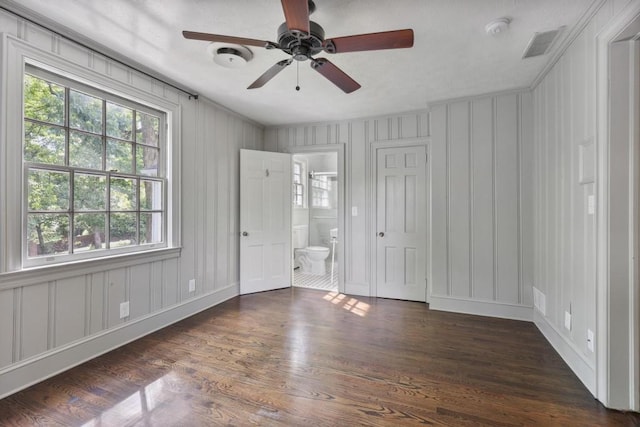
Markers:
point(244, 233)
point(381, 234)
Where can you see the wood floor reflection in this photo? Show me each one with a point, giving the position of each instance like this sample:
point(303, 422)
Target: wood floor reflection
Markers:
point(305, 357)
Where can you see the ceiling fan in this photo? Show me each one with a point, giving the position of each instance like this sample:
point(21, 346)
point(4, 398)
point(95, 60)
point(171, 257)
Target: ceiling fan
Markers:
point(303, 39)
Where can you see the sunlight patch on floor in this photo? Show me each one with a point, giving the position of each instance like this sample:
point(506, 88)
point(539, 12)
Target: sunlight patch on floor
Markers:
point(350, 304)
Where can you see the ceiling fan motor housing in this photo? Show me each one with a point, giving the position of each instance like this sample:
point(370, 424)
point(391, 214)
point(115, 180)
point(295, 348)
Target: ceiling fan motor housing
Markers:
point(301, 47)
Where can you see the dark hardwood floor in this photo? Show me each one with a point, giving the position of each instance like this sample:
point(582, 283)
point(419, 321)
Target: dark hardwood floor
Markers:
point(310, 358)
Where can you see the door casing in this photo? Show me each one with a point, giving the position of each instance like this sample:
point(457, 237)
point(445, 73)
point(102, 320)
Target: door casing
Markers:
point(618, 223)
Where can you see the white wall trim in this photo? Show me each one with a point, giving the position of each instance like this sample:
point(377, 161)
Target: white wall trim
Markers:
point(514, 91)
point(289, 126)
point(31, 371)
point(603, 343)
point(572, 356)
point(481, 308)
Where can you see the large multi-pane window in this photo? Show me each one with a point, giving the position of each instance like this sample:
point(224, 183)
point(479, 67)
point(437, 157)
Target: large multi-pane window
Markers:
point(94, 170)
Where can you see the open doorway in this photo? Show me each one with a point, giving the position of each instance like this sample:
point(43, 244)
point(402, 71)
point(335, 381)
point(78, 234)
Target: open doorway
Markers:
point(315, 220)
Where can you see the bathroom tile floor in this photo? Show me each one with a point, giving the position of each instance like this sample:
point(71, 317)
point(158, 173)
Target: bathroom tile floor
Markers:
point(312, 281)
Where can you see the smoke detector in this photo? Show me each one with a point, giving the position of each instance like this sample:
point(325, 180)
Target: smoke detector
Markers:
point(497, 26)
point(229, 56)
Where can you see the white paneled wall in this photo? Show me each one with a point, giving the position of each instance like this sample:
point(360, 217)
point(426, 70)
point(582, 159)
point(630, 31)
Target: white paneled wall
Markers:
point(54, 318)
point(480, 199)
point(357, 135)
point(564, 231)
point(480, 205)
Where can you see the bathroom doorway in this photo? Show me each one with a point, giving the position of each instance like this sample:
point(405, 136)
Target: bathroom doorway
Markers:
point(316, 219)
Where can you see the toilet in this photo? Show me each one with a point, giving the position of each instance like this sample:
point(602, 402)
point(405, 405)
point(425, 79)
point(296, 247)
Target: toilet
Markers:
point(311, 259)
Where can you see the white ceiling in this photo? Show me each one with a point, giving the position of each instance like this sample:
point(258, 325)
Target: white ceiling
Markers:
point(452, 55)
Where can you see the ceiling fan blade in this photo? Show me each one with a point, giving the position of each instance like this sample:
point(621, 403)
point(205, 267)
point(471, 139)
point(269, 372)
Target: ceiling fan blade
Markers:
point(296, 13)
point(335, 75)
point(373, 41)
point(270, 73)
point(224, 39)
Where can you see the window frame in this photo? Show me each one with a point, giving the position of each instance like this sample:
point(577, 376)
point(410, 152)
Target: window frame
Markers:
point(69, 84)
point(302, 185)
point(95, 71)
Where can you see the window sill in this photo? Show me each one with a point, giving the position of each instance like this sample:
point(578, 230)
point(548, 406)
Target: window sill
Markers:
point(40, 274)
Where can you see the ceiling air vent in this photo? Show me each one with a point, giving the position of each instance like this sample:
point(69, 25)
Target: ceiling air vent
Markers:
point(540, 43)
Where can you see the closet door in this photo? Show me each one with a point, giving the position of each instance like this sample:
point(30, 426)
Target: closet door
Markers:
point(401, 223)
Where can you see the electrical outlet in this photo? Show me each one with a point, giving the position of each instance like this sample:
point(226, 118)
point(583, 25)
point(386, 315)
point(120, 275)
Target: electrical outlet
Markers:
point(124, 309)
point(192, 285)
point(590, 340)
point(567, 320)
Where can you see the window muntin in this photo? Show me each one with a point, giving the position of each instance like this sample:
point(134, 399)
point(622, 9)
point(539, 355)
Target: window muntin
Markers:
point(94, 171)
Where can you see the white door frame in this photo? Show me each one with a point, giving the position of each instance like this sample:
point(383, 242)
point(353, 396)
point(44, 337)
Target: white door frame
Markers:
point(339, 149)
point(618, 377)
point(373, 168)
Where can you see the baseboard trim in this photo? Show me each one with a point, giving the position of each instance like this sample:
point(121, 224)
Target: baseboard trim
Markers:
point(572, 356)
point(31, 371)
point(481, 308)
point(360, 289)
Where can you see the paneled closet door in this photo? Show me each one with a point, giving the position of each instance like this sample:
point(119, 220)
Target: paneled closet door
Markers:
point(401, 223)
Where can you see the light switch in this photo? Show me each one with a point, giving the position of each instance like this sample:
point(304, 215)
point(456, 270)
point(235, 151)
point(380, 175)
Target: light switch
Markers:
point(354, 211)
point(567, 320)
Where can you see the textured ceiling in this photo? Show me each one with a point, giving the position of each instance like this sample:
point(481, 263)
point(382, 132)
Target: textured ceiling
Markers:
point(452, 55)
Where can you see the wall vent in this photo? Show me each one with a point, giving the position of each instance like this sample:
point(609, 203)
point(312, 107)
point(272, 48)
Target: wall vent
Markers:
point(540, 43)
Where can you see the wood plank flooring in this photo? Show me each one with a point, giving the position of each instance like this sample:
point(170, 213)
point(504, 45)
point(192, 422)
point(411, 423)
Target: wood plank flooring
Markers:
point(300, 357)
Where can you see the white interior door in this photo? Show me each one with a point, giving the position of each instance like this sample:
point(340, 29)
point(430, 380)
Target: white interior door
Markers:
point(265, 221)
point(401, 223)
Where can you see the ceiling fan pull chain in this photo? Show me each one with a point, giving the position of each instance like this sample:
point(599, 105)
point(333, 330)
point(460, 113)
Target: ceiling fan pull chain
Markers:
point(298, 75)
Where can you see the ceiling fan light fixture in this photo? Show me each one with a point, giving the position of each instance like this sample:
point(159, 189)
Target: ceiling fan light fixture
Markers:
point(497, 26)
point(230, 56)
point(302, 39)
